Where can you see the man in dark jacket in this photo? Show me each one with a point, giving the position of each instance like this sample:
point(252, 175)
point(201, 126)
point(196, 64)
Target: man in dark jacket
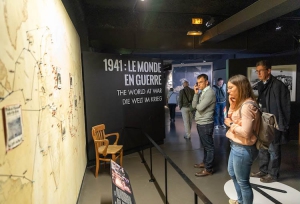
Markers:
point(274, 97)
point(185, 99)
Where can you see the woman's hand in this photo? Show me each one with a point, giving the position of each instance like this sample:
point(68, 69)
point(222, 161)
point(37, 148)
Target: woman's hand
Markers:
point(232, 102)
point(227, 122)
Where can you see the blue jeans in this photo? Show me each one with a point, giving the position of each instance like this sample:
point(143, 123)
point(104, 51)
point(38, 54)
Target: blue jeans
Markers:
point(219, 113)
point(206, 138)
point(239, 166)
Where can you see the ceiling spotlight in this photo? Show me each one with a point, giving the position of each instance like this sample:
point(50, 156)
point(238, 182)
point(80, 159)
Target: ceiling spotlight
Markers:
point(278, 27)
point(194, 33)
point(210, 22)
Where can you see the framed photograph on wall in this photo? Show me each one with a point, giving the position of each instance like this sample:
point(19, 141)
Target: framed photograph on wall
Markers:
point(71, 81)
point(189, 72)
point(13, 126)
point(58, 78)
point(285, 73)
point(63, 129)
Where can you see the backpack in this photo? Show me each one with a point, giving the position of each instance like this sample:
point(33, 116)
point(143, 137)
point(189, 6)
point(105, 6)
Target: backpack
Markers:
point(220, 94)
point(267, 127)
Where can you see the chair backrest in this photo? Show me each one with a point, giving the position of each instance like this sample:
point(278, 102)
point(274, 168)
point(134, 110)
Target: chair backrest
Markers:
point(98, 132)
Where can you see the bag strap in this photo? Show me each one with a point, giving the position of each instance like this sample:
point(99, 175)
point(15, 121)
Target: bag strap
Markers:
point(251, 102)
point(240, 113)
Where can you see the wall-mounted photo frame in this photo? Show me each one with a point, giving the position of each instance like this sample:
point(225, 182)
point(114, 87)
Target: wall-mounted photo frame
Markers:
point(71, 81)
point(189, 72)
point(13, 126)
point(58, 76)
point(63, 129)
point(285, 73)
point(75, 102)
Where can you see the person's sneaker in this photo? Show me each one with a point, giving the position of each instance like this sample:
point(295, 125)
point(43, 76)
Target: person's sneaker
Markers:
point(268, 179)
point(231, 201)
point(203, 173)
point(186, 137)
point(216, 127)
point(223, 126)
point(258, 174)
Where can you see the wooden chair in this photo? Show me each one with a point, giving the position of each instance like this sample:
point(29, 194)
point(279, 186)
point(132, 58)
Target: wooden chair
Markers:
point(103, 148)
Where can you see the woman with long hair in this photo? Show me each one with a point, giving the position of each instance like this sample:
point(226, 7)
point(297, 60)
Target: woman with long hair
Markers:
point(243, 120)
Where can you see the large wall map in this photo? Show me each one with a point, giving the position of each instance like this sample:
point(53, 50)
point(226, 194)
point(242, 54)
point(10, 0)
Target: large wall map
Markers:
point(40, 69)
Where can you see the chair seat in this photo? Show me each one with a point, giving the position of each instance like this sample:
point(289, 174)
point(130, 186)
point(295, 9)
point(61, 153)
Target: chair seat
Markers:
point(112, 149)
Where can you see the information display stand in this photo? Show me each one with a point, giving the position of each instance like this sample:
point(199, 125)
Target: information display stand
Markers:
point(121, 188)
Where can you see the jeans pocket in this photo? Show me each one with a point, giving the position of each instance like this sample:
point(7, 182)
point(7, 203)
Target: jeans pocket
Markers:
point(254, 153)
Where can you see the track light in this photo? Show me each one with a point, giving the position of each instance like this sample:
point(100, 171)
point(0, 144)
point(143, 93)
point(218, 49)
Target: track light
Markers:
point(278, 27)
point(210, 22)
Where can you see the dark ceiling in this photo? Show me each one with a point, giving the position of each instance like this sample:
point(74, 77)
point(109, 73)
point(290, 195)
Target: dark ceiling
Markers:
point(160, 26)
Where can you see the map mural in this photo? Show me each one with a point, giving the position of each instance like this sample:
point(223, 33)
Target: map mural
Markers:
point(40, 75)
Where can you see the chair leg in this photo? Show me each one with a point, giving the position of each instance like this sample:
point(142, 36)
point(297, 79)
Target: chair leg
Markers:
point(97, 167)
point(121, 157)
point(113, 157)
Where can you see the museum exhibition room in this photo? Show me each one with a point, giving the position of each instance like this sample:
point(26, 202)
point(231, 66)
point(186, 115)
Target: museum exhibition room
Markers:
point(86, 88)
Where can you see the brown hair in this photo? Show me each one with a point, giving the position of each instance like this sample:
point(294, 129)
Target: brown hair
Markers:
point(244, 89)
point(203, 76)
point(265, 63)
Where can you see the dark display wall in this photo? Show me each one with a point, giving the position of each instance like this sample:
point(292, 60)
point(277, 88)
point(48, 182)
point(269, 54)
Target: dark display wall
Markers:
point(127, 95)
point(239, 66)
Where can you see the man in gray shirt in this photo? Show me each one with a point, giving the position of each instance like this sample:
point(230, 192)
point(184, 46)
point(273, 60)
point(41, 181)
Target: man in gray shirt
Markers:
point(205, 105)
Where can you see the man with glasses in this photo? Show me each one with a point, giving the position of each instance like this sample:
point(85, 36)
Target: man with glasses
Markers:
point(273, 97)
point(205, 103)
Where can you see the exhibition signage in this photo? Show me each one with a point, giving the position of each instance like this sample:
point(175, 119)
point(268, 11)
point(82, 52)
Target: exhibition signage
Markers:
point(127, 95)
